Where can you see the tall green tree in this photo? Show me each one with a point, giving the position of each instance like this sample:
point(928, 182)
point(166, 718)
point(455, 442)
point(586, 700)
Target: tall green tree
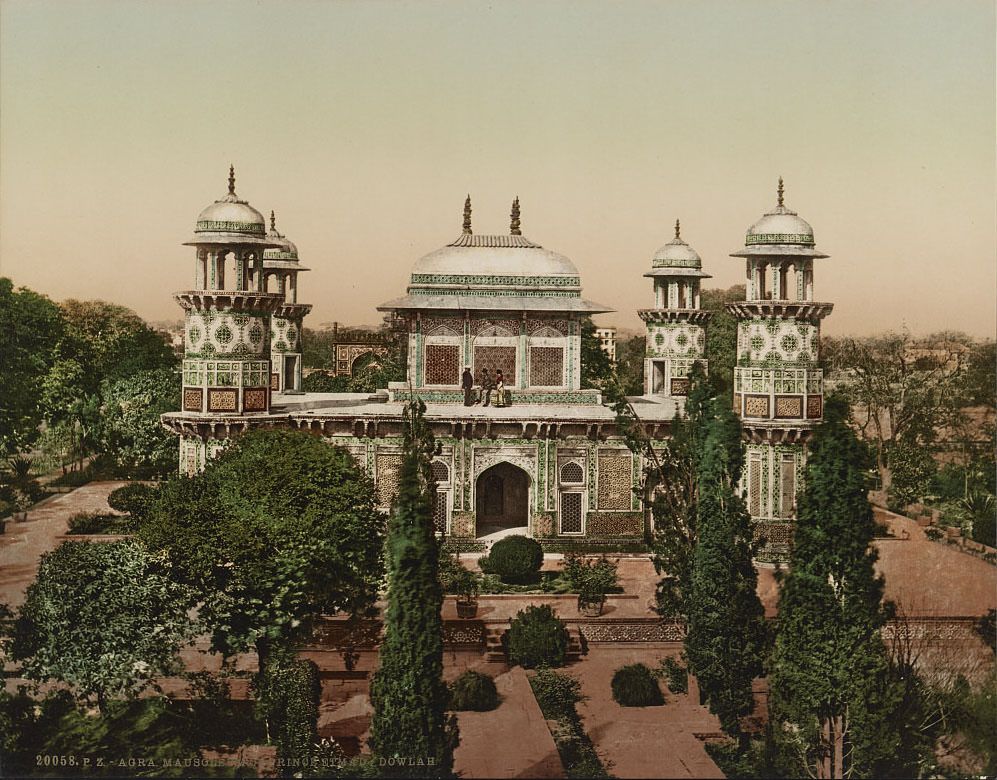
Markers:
point(278, 529)
point(830, 677)
point(30, 328)
point(130, 430)
point(103, 618)
point(721, 338)
point(726, 641)
point(410, 721)
point(597, 368)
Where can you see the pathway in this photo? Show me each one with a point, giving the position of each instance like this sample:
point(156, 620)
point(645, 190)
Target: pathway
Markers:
point(24, 543)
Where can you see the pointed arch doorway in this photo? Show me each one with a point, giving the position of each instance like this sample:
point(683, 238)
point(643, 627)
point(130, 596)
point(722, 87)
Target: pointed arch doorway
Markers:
point(502, 502)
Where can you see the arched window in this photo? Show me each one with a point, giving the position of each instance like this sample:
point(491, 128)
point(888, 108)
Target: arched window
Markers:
point(572, 473)
point(441, 472)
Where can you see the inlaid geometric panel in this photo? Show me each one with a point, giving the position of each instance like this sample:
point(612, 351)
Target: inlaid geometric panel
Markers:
point(442, 364)
point(615, 477)
point(222, 400)
point(755, 488)
point(192, 397)
point(388, 472)
point(737, 403)
point(495, 359)
point(254, 399)
point(614, 524)
point(756, 406)
point(546, 366)
point(275, 381)
point(814, 406)
point(680, 386)
point(571, 513)
point(789, 406)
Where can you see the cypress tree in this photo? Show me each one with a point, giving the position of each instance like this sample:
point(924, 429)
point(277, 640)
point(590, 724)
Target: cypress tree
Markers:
point(830, 663)
point(726, 640)
point(410, 722)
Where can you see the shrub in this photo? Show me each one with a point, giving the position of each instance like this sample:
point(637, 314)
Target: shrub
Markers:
point(934, 534)
point(100, 523)
point(485, 564)
point(537, 637)
point(133, 499)
point(678, 676)
point(474, 691)
point(557, 694)
point(635, 686)
point(516, 557)
point(590, 578)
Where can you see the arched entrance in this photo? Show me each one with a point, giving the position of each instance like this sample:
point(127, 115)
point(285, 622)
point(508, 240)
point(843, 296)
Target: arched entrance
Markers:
point(502, 501)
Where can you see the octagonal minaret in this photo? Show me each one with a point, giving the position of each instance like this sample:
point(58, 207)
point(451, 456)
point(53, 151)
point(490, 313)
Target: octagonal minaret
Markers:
point(778, 388)
point(280, 269)
point(226, 367)
point(676, 326)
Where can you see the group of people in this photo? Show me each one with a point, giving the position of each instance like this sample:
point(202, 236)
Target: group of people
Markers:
point(485, 387)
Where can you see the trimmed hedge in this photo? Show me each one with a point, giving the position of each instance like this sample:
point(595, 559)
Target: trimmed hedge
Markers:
point(516, 557)
point(133, 499)
point(635, 686)
point(557, 694)
point(537, 637)
point(678, 675)
point(99, 523)
point(474, 691)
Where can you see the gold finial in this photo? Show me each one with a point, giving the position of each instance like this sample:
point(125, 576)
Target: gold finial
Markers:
point(514, 215)
point(678, 233)
point(231, 180)
point(467, 215)
point(273, 221)
point(781, 188)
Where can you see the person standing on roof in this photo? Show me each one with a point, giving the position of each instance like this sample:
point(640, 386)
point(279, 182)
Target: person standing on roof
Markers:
point(467, 385)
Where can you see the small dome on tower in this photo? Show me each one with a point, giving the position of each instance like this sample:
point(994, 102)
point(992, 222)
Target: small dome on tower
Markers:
point(284, 249)
point(230, 220)
point(780, 231)
point(676, 254)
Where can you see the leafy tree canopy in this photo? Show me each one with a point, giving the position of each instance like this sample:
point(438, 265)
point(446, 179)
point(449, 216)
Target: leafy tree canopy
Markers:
point(130, 427)
point(278, 529)
point(30, 328)
point(105, 618)
point(597, 368)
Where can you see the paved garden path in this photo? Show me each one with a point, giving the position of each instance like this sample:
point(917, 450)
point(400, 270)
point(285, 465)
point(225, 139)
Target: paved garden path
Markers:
point(642, 742)
point(23, 544)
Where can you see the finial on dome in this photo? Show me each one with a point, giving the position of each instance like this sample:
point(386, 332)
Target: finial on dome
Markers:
point(467, 215)
point(780, 190)
point(514, 215)
point(231, 180)
point(273, 221)
point(678, 233)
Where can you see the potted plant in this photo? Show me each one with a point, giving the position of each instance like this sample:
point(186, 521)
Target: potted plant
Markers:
point(596, 579)
point(466, 586)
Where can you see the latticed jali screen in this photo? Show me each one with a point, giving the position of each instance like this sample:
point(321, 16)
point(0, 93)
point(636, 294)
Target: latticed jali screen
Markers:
point(571, 513)
point(388, 470)
point(442, 364)
point(755, 487)
point(222, 400)
point(756, 406)
point(787, 484)
point(614, 481)
point(495, 359)
point(546, 366)
point(440, 511)
point(789, 406)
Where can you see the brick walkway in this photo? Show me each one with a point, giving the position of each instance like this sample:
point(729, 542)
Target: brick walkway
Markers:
point(23, 544)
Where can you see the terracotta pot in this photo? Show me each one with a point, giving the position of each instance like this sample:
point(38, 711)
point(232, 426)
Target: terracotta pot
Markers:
point(591, 607)
point(953, 531)
point(467, 609)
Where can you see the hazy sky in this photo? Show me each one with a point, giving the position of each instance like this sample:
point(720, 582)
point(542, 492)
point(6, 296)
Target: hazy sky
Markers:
point(364, 125)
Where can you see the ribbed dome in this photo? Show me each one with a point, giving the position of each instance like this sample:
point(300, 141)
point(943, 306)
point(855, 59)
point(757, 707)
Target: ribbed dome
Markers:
point(486, 260)
point(284, 249)
point(229, 220)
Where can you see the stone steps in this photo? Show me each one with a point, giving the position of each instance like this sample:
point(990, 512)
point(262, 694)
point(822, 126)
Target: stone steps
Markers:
point(496, 652)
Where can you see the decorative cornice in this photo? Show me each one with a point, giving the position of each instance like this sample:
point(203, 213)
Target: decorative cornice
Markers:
point(241, 300)
point(778, 431)
point(698, 316)
point(492, 279)
point(780, 238)
point(811, 311)
point(291, 311)
point(224, 226)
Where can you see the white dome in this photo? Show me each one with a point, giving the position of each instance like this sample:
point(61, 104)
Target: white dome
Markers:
point(479, 258)
point(229, 220)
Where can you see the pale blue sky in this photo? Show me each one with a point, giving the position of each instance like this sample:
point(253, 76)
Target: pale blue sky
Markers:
point(365, 124)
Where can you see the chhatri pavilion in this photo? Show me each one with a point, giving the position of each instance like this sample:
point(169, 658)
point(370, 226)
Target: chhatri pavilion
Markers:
point(552, 463)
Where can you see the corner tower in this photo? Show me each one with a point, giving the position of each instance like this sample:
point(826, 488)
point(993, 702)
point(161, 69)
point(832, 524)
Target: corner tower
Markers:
point(281, 268)
point(226, 367)
point(676, 335)
point(778, 388)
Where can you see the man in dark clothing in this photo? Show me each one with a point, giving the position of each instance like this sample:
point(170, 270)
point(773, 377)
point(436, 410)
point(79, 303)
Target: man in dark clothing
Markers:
point(487, 385)
point(467, 385)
